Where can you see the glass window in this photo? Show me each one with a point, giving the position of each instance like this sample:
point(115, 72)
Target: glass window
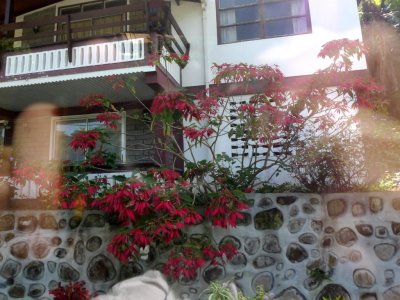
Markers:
point(257, 19)
point(64, 129)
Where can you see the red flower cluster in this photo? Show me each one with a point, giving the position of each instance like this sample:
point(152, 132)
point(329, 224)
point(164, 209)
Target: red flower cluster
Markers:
point(226, 250)
point(73, 291)
point(193, 133)
point(84, 140)
point(169, 103)
point(110, 119)
point(225, 209)
point(92, 101)
point(183, 264)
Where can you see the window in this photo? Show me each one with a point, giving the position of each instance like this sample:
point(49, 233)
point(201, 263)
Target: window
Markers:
point(241, 20)
point(93, 22)
point(63, 128)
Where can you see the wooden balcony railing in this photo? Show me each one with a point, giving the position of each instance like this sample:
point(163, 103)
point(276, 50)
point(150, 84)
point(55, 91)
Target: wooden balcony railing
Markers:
point(143, 17)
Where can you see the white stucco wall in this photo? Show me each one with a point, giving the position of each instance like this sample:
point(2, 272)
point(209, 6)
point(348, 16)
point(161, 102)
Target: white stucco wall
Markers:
point(296, 55)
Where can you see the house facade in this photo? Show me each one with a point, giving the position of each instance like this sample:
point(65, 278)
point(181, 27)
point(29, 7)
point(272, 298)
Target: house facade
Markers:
point(58, 52)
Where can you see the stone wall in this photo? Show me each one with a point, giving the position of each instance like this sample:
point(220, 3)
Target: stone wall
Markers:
point(299, 246)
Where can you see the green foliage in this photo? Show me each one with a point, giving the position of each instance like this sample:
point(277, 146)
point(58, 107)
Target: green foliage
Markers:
point(333, 298)
point(286, 187)
point(217, 291)
point(329, 163)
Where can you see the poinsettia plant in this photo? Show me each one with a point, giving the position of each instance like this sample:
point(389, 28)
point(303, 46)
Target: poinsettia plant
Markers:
point(250, 107)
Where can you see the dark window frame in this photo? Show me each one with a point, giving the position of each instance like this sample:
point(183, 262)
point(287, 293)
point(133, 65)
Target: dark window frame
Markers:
point(261, 21)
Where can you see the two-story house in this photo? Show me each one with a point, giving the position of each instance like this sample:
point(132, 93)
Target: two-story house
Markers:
point(54, 53)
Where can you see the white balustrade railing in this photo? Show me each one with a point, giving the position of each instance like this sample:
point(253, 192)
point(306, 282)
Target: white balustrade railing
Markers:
point(82, 56)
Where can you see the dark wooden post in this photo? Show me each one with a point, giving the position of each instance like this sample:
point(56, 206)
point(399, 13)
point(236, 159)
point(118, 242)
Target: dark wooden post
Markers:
point(9, 11)
point(69, 38)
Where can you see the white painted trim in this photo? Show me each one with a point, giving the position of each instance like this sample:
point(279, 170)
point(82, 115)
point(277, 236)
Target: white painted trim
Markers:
point(42, 80)
point(86, 116)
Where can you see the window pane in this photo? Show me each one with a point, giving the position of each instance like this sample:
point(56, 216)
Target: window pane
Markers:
point(63, 135)
point(113, 3)
point(239, 15)
point(279, 28)
point(92, 6)
point(277, 10)
point(70, 10)
point(114, 137)
point(233, 3)
point(246, 14)
point(248, 31)
point(274, 10)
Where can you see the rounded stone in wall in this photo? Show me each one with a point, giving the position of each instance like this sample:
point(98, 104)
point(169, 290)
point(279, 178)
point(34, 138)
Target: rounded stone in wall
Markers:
point(363, 278)
point(130, 270)
point(94, 220)
point(314, 201)
point(34, 270)
point(263, 261)
point(20, 250)
point(94, 243)
point(48, 221)
point(10, 269)
point(231, 240)
point(389, 276)
point(381, 232)
point(271, 244)
point(289, 274)
point(308, 209)
point(27, 224)
point(332, 291)
point(295, 225)
point(327, 241)
point(369, 296)
point(17, 291)
point(74, 222)
point(329, 230)
point(56, 241)
point(375, 204)
point(245, 221)
point(52, 285)
point(264, 280)
point(291, 293)
point(355, 256)
point(213, 273)
point(396, 203)
point(317, 225)
point(311, 283)
point(294, 211)
point(62, 223)
point(385, 251)
point(67, 273)
point(265, 202)
point(79, 253)
point(286, 200)
point(36, 290)
point(251, 245)
point(358, 209)
point(101, 269)
point(51, 265)
point(308, 238)
point(365, 229)
point(239, 260)
point(60, 252)
point(346, 237)
point(396, 228)
point(296, 253)
point(40, 249)
point(336, 207)
point(7, 222)
point(332, 260)
point(268, 219)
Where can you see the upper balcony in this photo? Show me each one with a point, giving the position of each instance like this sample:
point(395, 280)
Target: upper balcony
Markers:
point(83, 43)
